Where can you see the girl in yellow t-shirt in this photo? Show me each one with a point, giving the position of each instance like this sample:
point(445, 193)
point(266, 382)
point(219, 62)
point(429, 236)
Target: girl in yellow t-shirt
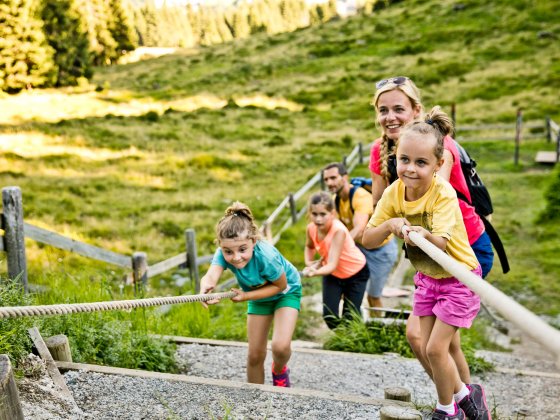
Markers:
point(422, 201)
point(342, 265)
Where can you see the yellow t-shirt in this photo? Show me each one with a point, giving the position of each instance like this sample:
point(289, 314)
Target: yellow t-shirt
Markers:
point(361, 202)
point(438, 212)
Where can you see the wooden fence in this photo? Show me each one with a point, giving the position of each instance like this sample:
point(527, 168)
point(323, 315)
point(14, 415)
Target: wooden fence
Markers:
point(16, 230)
point(290, 210)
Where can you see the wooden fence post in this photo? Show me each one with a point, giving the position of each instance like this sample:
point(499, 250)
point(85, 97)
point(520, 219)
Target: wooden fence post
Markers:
point(267, 231)
point(293, 209)
point(10, 407)
point(558, 147)
point(14, 239)
point(518, 127)
point(322, 181)
point(345, 160)
point(140, 271)
point(453, 119)
point(59, 347)
point(360, 153)
point(190, 236)
point(548, 130)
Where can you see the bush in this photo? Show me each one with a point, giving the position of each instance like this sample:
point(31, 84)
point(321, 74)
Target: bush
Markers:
point(552, 210)
point(354, 335)
point(14, 339)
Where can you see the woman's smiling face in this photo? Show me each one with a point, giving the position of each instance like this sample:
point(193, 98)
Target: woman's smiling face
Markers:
point(394, 111)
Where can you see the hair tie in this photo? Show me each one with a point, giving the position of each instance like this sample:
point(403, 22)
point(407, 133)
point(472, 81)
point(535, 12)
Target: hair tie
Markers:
point(430, 121)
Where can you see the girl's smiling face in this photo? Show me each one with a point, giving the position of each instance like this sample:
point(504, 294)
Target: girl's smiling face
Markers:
point(417, 163)
point(238, 251)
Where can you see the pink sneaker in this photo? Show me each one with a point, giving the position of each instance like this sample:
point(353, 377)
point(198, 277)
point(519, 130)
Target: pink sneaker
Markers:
point(282, 378)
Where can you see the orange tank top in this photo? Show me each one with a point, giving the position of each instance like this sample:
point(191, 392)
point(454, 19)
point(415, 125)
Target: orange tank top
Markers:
point(351, 258)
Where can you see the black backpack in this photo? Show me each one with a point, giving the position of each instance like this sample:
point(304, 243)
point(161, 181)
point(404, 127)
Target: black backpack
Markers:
point(480, 197)
point(481, 201)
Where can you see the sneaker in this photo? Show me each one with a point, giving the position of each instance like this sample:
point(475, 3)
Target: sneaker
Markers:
point(281, 379)
point(442, 415)
point(474, 405)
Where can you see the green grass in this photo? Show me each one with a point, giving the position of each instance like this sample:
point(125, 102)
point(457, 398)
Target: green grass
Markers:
point(166, 145)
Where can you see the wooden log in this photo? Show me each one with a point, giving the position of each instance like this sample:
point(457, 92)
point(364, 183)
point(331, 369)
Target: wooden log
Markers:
point(399, 413)
point(14, 239)
point(44, 353)
point(59, 347)
point(397, 393)
point(190, 238)
point(10, 407)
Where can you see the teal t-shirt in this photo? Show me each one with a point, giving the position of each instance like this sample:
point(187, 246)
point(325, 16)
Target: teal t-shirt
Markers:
point(267, 265)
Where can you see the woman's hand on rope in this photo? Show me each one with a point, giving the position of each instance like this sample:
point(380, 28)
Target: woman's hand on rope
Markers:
point(241, 296)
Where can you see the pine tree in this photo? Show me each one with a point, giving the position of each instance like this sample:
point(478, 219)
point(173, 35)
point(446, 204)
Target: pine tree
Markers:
point(66, 33)
point(239, 22)
point(121, 26)
point(25, 57)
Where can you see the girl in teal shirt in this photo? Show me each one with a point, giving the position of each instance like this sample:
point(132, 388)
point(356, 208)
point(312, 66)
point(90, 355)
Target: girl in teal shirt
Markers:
point(269, 283)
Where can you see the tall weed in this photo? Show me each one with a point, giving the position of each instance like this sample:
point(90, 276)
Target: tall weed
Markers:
point(14, 339)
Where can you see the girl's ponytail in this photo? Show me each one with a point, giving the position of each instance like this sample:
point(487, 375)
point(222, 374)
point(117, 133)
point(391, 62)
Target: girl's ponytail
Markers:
point(237, 222)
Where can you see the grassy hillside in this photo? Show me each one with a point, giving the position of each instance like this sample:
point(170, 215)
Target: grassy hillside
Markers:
point(166, 144)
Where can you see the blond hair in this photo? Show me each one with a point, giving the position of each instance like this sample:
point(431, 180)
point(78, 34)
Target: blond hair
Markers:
point(436, 123)
point(388, 146)
point(238, 220)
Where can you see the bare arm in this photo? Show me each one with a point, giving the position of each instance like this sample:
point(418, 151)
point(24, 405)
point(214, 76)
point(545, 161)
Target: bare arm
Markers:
point(334, 257)
point(374, 236)
point(378, 185)
point(360, 222)
point(208, 282)
point(268, 290)
point(445, 170)
point(309, 251)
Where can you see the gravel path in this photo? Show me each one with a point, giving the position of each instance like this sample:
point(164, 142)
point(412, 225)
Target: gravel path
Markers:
point(331, 374)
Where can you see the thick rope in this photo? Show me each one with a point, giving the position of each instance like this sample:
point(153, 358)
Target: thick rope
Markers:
point(71, 308)
point(526, 320)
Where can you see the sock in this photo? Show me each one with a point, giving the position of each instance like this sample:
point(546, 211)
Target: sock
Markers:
point(463, 392)
point(274, 370)
point(449, 409)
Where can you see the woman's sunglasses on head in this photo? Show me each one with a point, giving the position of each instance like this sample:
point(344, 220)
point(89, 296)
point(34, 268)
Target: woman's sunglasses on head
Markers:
point(399, 80)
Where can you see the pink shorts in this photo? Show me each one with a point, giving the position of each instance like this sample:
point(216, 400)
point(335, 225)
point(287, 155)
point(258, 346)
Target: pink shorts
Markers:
point(448, 299)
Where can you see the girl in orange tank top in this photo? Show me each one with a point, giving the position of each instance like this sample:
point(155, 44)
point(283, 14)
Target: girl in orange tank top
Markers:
point(342, 265)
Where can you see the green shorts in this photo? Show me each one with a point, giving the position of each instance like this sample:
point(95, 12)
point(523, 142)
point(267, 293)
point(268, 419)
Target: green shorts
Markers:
point(290, 300)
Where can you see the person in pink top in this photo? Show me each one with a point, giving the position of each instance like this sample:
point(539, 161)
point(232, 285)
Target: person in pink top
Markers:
point(342, 264)
point(397, 102)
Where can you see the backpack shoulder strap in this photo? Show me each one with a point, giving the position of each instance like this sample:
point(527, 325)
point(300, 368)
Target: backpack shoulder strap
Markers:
point(463, 197)
point(497, 243)
point(351, 197)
